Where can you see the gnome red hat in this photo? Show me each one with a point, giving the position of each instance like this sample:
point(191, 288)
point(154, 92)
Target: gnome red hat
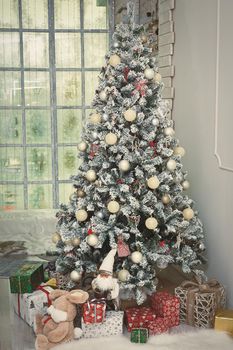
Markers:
point(108, 262)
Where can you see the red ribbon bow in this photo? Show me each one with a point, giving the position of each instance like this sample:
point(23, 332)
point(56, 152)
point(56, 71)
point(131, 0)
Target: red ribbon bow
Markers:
point(141, 87)
point(93, 150)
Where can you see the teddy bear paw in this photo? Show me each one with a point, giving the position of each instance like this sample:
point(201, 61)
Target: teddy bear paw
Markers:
point(41, 342)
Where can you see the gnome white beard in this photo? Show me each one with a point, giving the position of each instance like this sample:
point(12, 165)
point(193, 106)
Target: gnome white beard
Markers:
point(104, 284)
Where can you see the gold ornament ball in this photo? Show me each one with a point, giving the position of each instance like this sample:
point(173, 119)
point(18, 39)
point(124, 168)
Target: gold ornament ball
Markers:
point(136, 257)
point(124, 165)
point(123, 275)
point(76, 241)
point(130, 115)
point(158, 78)
point(169, 131)
point(82, 146)
point(153, 182)
point(80, 193)
point(144, 38)
point(91, 175)
point(56, 237)
point(166, 199)
point(95, 118)
point(111, 139)
point(188, 214)
point(151, 223)
point(92, 240)
point(103, 95)
point(179, 151)
point(171, 164)
point(75, 276)
point(113, 207)
point(81, 215)
point(185, 184)
point(114, 60)
point(149, 73)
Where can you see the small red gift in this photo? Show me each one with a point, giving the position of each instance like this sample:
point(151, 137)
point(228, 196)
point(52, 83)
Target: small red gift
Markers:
point(139, 317)
point(94, 311)
point(158, 326)
point(167, 306)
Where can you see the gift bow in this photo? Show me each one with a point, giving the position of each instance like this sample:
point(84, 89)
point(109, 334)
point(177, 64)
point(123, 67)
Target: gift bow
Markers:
point(96, 302)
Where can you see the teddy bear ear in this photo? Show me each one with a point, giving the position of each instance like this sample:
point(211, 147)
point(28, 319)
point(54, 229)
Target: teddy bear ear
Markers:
point(77, 296)
point(57, 293)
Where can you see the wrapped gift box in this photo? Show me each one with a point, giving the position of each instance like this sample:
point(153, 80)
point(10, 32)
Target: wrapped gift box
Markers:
point(27, 305)
point(224, 321)
point(27, 277)
point(113, 325)
point(167, 306)
point(139, 335)
point(200, 301)
point(139, 317)
point(158, 326)
point(94, 311)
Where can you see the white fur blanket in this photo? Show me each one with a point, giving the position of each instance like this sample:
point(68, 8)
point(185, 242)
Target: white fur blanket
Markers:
point(188, 340)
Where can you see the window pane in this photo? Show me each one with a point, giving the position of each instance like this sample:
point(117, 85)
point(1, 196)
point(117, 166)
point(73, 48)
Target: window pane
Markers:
point(39, 163)
point(67, 14)
point(36, 49)
point(38, 125)
point(40, 196)
point(65, 190)
point(36, 88)
point(68, 162)
point(95, 47)
point(91, 83)
point(35, 14)
point(95, 14)
point(69, 122)
point(9, 50)
point(11, 197)
point(9, 14)
point(68, 52)
point(69, 89)
point(10, 89)
point(10, 126)
point(11, 164)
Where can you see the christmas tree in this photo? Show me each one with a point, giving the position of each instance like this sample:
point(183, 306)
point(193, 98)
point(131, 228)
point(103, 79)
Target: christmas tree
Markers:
point(130, 190)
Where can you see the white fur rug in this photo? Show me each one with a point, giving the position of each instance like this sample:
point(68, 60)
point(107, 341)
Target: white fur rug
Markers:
point(192, 340)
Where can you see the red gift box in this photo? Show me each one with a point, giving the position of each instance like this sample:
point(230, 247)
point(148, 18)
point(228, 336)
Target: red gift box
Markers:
point(167, 306)
point(94, 311)
point(139, 317)
point(158, 326)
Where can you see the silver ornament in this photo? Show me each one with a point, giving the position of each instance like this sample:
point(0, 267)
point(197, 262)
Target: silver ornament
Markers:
point(162, 264)
point(155, 122)
point(105, 117)
point(201, 246)
point(94, 135)
point(100, 214)
point(115, 44)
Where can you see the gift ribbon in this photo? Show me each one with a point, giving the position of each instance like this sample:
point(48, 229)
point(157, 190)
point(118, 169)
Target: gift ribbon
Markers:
point(47, 294)
point(96, 302)
point(194, 287)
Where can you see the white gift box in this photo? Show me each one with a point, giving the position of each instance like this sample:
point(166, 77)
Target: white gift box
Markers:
point(113, 325)
point(27, 305)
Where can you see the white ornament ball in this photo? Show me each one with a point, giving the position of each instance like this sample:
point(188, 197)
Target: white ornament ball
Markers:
point(114, 60)
point(81, 215)
point(123, 275)
point(153, 182)
point(155, 122)
point(162, 264)
point(136, 257)
point(91, 175)
point(100, 214)
point(201, 246)
point(171, 164)
point(116, 44)
point(169, 131)
point(103, 95)
point(144, 38)
point(179, 151)
point(75, 276)
point(56, 237)
point(95, 118)
point(113, 207)
point(149, 73)
point(130, 115)
point(82, 146)
point(94, 135)
point(185, 184)
point(166, 199)
point(76, 241)
point(111, 139)
point(188, 214)
point(151, 223)
point(92, 240)
point(124, 165)
point(158, 78)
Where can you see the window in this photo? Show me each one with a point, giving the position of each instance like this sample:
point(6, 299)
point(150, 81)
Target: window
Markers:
point(50, 54)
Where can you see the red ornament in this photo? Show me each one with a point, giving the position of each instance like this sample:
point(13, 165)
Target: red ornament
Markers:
point(119, 181)
point(162, 244)
point(126, 72)
point(93, 150)
point(153, 145)
point(89, 231)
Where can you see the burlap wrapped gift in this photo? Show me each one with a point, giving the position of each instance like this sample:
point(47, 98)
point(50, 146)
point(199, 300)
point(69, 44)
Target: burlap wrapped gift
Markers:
point(199, 302)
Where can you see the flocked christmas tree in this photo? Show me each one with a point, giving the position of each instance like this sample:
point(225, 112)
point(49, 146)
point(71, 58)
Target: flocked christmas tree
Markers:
point(130, 190)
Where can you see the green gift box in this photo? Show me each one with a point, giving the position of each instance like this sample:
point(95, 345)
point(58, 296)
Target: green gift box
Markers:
point(27, 277)
point(139, 335)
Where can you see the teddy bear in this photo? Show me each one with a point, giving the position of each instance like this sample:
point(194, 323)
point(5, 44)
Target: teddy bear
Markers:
point(57, 327)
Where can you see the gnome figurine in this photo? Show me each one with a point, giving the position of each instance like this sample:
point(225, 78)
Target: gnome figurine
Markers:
point(104, 285)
